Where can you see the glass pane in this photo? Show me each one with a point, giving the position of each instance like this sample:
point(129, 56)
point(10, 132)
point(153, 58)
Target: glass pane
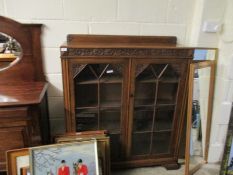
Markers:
point(98, 100)
point(143, 119)
point(167, 93)
point(141, 143)
point(161, 142)
point(87, 119)
point(159, 69)
point(86, 95)
point(110, 94)
point(85, 75)
point(110, 120)
point(115, 145)
point(145, 93)
point(112, 72)
point(10, 51)
point(170, 73)
point(145, 73)
point(98, 68)
point(164, 118)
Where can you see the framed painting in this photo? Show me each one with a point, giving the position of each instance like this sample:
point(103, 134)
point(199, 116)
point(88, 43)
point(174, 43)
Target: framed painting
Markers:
point(102, 146)
point(16, 160)
point(227, 162)
point(79, 158)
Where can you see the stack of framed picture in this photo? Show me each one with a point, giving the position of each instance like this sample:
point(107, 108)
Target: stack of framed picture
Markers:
point(77, 153)
point(227, 162)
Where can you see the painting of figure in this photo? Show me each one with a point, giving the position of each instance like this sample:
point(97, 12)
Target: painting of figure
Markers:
point(230, 163)
point(76, 158)
point(227, 161)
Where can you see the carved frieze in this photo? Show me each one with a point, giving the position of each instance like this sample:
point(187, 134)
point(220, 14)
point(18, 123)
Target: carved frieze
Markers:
point(128, 52)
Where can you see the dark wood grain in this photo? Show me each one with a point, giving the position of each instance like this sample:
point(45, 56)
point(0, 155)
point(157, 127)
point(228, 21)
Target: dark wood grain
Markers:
point(75, 38)
point(25, 93)
point(23, 100)
point(29, 68)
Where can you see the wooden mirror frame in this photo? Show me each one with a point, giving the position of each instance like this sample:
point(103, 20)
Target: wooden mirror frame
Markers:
point(29, 68)
point(193, 67)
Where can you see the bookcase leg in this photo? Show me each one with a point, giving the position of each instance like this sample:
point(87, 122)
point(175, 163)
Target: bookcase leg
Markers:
point(172, 166)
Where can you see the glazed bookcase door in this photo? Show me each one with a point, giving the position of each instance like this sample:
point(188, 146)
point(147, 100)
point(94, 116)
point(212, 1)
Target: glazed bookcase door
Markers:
point(155, 90)
point(99, 99)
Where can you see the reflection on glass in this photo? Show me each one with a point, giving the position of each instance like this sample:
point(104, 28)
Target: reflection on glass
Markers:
point(110, 120)
point(98, 100)
point(156, 87)
point(115, 146)
point(161, 142)
point(10, 51)
point(164, 118)
point(141, 143)
point(143, 119)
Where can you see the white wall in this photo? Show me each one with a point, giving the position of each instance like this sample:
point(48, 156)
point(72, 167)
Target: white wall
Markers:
point(222, 12)
point(224, 86)
point(182, 18)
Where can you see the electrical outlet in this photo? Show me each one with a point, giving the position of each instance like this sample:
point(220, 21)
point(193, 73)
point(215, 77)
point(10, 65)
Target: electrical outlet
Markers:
point(211, 27)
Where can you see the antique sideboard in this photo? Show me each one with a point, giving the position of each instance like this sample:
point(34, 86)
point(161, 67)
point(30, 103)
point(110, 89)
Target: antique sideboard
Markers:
point(23, 90)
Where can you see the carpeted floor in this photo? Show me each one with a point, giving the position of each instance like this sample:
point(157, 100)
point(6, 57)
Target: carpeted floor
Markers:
point(208, 169)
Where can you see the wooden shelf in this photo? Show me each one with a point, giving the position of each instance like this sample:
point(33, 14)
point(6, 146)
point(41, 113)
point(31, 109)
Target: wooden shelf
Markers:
point(92, 81)
point(102, 106)
point(142, 132)
point(7, 57)
point(115, 133)
point(111, 104)
point(143, 102)
point(163, 80)
point(169, 80)
point(163, 131)
point(161, 103)
point(87, 107)
point(146, 132)
point(80, 117)
point(165, 107)
point(147, 81)
point(103, 80)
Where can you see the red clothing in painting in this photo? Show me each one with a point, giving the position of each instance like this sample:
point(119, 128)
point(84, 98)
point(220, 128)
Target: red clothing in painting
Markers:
point(82, 170)
point(64, 170)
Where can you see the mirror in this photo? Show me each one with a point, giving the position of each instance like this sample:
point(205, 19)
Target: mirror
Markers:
point(10, 51)
point(200, 99)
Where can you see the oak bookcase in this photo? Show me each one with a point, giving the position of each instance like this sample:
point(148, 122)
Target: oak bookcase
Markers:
point(132, 86)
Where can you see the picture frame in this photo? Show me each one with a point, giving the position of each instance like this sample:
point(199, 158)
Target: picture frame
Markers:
point(17, 159)
point(25, 170)
point(227, 161)
point(103, 146)
point(74, 157)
